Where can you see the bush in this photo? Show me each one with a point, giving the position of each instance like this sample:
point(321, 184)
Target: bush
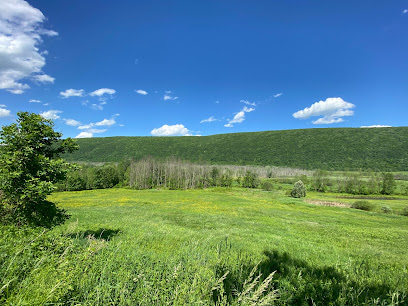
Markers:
point(363, 205)
point(268, 186)
point(250, 180)
point(299, 190)
point(386, 209)
point(405, 211)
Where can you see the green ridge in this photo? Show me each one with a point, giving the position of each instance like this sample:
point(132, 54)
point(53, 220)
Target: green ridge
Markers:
point(381, 149)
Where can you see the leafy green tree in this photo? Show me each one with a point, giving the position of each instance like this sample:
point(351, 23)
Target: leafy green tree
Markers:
point(30, 165)
point(299, 190)
point(388, 184)
point(250, 180)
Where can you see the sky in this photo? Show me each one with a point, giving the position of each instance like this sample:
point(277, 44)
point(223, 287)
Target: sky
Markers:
point(197, 68)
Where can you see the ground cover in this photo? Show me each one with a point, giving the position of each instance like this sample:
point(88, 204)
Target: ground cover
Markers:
point(174, 246)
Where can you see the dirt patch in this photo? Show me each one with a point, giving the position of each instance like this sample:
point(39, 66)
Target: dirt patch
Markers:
point(368, 198)
point(327, 203)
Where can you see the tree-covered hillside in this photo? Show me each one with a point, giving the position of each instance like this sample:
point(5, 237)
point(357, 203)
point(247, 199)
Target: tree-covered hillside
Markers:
point(383, 149)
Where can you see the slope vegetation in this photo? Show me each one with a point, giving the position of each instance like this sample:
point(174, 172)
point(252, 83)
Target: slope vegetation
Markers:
point(383, 149)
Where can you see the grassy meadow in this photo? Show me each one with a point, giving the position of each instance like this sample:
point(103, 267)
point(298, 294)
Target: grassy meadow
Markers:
point(159, 247)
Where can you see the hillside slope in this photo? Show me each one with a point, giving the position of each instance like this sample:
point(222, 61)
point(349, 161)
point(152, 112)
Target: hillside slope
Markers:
point(384, 149)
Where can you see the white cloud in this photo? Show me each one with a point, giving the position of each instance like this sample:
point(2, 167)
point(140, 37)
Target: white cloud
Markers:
point(171, 130)
point(84, 135)
point(211, 119)
point(72, 93)
point(3, 105)
point(217, 102)
point(248, 103)
point(95, 131)
point(44, 78)
point(168, 97)
point(239, 117)
point(86, 126)
point(20, 34)
point(168, 91)
point(141, 92)
point(34, 101)
point(97, 106)
point(331, 111)
point(376, 126)
point(106, 122)
point(46, 104)
point(100, 92)
point(405, 11)
point(72, 122)
point(4, 112)
point(51, 114)
point(278, 95)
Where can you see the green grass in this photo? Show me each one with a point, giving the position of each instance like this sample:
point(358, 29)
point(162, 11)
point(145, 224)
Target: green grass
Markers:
point(173, 247)
point(383, 149)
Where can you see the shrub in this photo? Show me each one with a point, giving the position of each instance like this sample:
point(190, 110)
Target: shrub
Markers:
point(386, 209)
point(268, 186)
point(250, 180)
point(363, 205)
point(405, 211)
point(299, 190)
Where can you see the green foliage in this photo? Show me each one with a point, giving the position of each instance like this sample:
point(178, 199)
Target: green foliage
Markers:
point(320, 181)
point(388, 185)
point(386, 209)
point(268, 186)
point(105, 177)
point(299, 190)
point(405, 211)
point(363, 205)
point(250, 180)
point(30, 165)
point(377, 149)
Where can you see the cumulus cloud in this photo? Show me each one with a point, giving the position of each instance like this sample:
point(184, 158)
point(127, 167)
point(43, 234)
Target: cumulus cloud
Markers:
point(405, 11)
point(141, 92)
point(44, 78)
point(3, 105)
point(51, 114)
point(34, 101)
point(72, 93)
point(106, 122)
point(100, 92)
point(171, 130)
point(21, 34)
point(248, 103)
point(84, 135)
point(278, 95)
point(331, 111)
point(72, 122)
point(95, 131)
point(376, 126)
point(211, 119)
point(4, 112)
point(239, 117)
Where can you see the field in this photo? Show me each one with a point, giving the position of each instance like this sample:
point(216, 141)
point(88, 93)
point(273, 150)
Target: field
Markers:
point(178, 247)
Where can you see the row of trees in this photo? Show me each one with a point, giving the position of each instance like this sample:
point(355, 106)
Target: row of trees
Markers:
point(150, 173)
point(353, 183)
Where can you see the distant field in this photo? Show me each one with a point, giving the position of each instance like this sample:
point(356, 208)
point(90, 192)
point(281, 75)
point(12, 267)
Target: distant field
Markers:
point(172, 247)
point(380, 149)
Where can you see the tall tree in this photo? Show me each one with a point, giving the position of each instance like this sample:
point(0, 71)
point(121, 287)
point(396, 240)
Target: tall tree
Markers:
point(30, 163)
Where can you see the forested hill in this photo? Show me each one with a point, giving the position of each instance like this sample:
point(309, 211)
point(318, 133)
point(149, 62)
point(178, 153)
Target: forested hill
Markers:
point(384, 149)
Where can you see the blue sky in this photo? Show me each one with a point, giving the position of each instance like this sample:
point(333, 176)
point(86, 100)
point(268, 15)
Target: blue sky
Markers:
point(141, 68)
